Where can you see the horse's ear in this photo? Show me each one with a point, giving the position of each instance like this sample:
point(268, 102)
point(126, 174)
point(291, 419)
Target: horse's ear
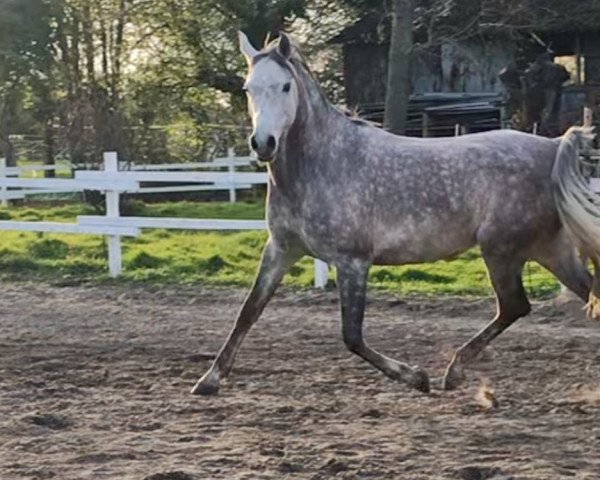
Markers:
point(246, 48)
point(284, 46)
point(267, 40)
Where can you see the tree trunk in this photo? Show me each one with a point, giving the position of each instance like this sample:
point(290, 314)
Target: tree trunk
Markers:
point(88, 38)
point(49, 144)
point(9, 103)
point(117, 52)
point(399, 59)
point(8, 151)
point(104, 46)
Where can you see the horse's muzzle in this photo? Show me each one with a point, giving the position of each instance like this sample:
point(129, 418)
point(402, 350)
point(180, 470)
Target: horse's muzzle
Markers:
point(265, 150)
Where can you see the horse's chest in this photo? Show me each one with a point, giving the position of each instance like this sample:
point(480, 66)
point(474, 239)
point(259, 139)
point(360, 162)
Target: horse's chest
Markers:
point(322, 230)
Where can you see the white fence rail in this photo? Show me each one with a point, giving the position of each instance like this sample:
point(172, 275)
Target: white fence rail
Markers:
point(115, 182)
point(224, 181)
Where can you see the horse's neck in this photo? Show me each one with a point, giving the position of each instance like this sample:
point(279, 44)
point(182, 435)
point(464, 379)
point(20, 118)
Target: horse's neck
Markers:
point(305, 148)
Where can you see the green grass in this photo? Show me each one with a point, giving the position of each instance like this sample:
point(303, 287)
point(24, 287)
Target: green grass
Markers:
point(61, 173)
point(219, 258)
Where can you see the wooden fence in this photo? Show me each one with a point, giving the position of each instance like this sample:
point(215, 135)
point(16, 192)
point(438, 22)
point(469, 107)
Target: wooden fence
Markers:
point(115, 182)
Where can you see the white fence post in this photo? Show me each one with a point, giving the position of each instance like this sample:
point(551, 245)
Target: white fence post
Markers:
point(111, 164)
point(321, 271)
point(231, 169)
point(3, 189)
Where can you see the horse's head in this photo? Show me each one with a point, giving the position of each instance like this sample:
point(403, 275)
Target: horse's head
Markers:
point(272, 92)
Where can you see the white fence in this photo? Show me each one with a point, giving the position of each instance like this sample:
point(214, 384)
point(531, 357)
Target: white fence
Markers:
point(230, 163)
point(115, 182)
point(225, 182)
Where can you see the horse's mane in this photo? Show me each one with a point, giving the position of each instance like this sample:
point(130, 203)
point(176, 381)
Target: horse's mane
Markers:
point(297, 60)
point(355, 117)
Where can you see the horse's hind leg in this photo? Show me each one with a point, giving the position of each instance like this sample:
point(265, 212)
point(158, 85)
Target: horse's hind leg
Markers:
point(512, 304)
point(562, 260)
point(352, 286)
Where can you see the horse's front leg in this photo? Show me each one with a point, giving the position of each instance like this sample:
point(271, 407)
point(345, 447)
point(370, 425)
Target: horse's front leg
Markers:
point(275, 262)
point(352, 286)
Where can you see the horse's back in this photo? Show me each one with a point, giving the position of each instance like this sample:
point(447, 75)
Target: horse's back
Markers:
point(500, 147)
point(446, 170)
point(437, 197)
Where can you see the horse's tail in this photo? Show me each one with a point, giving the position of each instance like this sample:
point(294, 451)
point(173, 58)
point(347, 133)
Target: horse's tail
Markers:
point(578, 205)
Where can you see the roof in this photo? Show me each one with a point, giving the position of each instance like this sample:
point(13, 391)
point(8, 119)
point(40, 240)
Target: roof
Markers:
point(367, 29)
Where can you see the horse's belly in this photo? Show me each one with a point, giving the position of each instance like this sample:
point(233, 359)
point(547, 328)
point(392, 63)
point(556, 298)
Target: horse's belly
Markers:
point(421, 243)
point(402, 241)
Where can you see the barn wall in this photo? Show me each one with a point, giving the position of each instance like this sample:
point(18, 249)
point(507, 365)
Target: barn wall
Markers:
point(365, 73)
point(590, 47)
point(471, 67)
point(427, 72)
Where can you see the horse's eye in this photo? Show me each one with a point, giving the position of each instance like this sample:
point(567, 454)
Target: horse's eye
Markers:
point(286, 87)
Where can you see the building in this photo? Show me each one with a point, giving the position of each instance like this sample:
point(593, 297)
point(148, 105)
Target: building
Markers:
point(457, 82)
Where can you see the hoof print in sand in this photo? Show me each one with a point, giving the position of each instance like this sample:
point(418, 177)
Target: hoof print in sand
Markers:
point(481, 473)
point(178, 475)
point(49, 420)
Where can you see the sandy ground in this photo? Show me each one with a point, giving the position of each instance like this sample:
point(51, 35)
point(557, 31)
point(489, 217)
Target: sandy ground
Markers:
point(94, 384)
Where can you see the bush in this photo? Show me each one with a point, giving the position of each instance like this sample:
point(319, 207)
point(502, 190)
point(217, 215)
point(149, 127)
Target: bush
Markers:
point(145, 260)
point(133, 208)
point(17, 264)
point(420, 276)
point(30, 215)
point(48, 248)
point(212, 265)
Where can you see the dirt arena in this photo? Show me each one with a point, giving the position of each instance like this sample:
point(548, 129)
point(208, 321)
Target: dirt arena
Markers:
point(94, 384)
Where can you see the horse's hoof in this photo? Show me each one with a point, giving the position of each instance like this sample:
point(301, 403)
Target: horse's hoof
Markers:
point(420, 380)
point(205, 389)
point(453, 377)
point(207, 385)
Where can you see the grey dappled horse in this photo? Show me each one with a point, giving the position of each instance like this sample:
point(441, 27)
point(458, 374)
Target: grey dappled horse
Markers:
point(354, 195)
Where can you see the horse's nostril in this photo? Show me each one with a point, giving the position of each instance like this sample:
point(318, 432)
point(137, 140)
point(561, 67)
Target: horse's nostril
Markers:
point(253, 143)
point(271, 142)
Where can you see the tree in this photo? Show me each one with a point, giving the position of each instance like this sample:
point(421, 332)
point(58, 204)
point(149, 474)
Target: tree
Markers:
point(207, 29)
point(398, 83)
point(25, 33)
